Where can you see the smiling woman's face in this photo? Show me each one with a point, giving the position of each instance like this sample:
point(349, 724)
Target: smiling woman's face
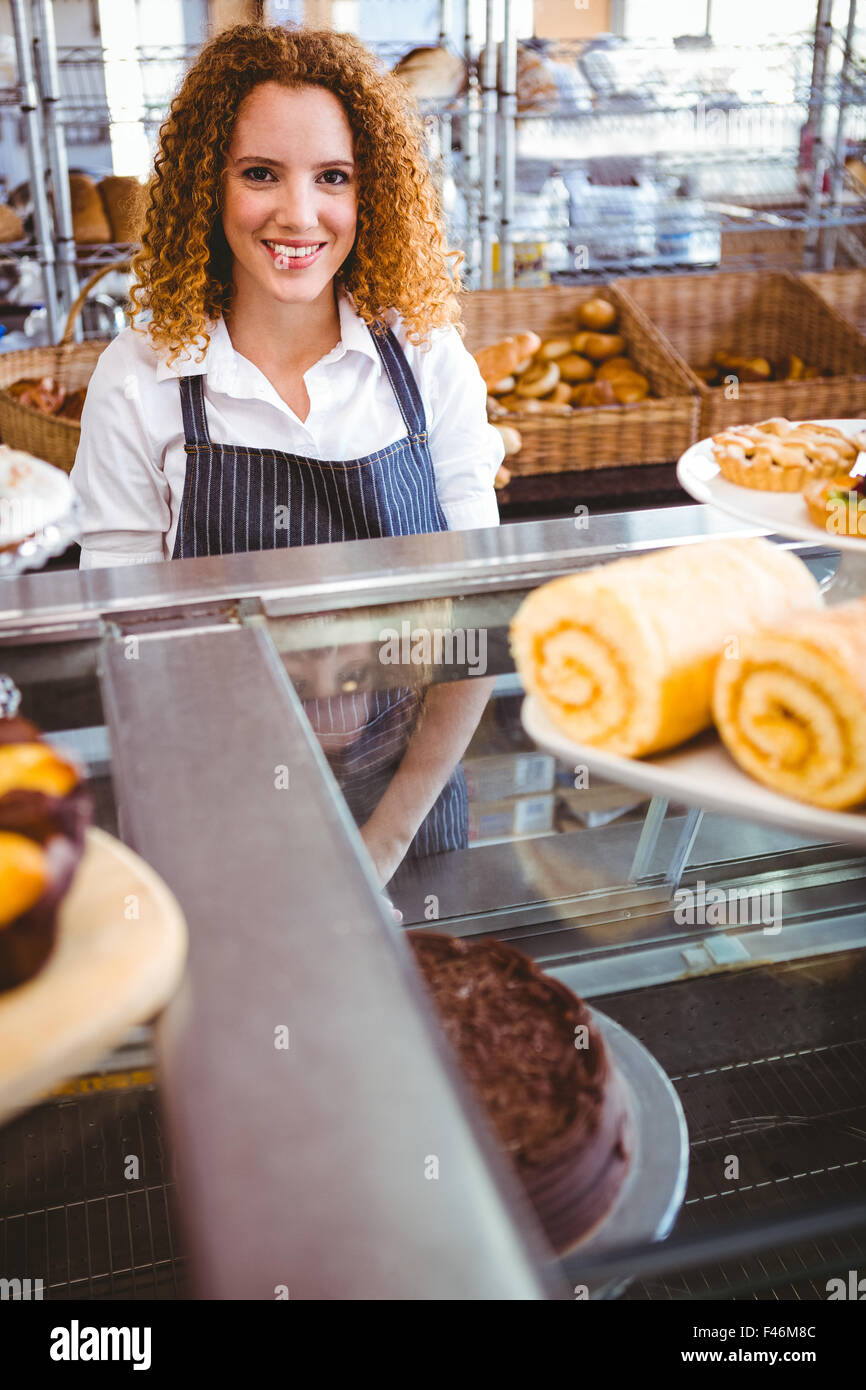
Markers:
point(289, 194)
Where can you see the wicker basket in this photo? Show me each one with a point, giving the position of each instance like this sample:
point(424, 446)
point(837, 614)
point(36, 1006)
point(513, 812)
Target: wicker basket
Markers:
point(71, 365)
point(844, 290)
point(650, 431)
point(754, 313)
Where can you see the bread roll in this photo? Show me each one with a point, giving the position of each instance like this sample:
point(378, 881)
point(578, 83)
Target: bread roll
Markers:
point(511, 439)
point(598, 346)
point(573, 367)
point(596, 314)
point(630, 387)
point(432, 74)
point(615, 366)
point(125, 201)
point(561, 394)
point(541, 378)
point(89, 222)
point(554, 348)
point(11, 226)
point(593, 393)
point(502, 359)
point(624, 656)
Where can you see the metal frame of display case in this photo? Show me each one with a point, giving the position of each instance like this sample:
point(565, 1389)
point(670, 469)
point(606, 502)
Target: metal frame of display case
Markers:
point(304, 1168)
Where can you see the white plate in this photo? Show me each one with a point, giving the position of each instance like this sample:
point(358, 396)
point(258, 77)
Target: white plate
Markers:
point(783, 513)
point(34, 495)
point(652, 1194)
point(701, 773)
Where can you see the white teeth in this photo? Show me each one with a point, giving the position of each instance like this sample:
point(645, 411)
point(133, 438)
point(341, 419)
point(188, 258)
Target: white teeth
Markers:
point(292, 251)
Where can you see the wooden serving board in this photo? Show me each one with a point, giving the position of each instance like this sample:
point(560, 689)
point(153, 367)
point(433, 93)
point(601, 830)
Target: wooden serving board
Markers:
point(120, 950)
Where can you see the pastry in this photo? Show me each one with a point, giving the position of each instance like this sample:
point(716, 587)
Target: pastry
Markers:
point(623, 656)
point(432, 74)
point(541, 378)
point(11, 226)
point(539, 1067)
point(89, 222)
point(778, 456)
point(615, 366)
point(755, 369)
point(593, 393)
point(125, 202)
point(33, 495)
point(44, 812)
point(790, 705)
point(597, 314)
point(561, 394)
point(598, 346)
point(575, 368)
point(510, 438)
point(629, 387)
point(838, 505)
point(554, 348)
point(502, 359)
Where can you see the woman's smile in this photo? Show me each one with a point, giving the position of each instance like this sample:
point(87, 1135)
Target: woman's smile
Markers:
point(294, 255)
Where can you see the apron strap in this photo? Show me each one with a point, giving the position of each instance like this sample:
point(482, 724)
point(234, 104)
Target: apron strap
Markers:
point(403, 383)
point(192, 405)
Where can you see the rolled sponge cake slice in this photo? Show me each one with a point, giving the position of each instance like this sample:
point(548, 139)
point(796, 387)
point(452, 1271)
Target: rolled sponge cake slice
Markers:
point(623, 656)
point(790, 706)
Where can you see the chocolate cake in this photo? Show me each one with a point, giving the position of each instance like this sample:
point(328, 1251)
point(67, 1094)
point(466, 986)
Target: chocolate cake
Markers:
point(44, 811)
point(541, 1070)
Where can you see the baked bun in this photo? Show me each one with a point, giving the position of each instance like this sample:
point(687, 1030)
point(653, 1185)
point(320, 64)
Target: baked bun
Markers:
point(11, 226)
point(89, 222)
point(597, 314)
point(502, 359)
point(432, 74)
point(125, 202)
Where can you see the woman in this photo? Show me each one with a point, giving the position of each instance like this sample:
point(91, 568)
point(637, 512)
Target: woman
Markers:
point(300, 379)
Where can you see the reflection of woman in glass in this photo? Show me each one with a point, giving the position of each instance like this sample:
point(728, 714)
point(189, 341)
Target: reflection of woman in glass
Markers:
point(394, 754)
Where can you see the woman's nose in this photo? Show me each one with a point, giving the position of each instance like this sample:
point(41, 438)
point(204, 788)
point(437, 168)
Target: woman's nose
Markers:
point(296, 207)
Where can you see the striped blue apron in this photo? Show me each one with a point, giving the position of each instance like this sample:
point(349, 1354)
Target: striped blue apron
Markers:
point(238, 499)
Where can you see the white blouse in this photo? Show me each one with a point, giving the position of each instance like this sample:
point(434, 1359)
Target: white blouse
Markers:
point(130, 466)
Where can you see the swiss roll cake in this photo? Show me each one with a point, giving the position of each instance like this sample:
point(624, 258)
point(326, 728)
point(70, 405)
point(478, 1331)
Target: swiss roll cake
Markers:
point(790, 706)
point(623, 656)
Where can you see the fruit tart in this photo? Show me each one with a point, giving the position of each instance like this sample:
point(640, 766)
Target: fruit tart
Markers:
point(778, 456)
point(838, 505)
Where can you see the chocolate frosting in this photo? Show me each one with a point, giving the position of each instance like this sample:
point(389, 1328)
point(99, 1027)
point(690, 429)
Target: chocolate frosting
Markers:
point(561, 1111)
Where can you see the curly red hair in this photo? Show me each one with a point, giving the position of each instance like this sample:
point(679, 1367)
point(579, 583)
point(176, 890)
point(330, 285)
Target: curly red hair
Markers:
point(399, 260)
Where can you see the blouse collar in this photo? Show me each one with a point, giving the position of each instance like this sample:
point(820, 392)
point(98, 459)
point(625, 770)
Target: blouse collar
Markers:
point(226, 368)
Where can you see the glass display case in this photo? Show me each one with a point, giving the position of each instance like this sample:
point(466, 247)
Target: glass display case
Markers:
point(258, 727)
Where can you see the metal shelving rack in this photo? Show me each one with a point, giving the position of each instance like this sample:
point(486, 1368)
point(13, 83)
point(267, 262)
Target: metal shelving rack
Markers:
point(484, 148)
point(658, 135)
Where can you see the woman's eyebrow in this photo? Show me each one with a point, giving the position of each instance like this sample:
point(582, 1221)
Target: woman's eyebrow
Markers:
point(277, 164)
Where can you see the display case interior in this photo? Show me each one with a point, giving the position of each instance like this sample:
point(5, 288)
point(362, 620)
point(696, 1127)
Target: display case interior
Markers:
point(723, 959)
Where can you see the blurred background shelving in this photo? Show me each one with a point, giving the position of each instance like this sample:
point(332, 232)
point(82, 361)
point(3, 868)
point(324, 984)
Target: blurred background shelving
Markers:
point(564, 155)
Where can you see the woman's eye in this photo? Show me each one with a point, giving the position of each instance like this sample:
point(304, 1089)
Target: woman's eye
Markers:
point(257, 169)
point(354, 678)
point(335, 177)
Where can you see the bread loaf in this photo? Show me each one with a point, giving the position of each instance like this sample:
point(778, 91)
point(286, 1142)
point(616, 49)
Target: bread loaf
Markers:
point(89, 222)
point(124, 200)
point(11, 226)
